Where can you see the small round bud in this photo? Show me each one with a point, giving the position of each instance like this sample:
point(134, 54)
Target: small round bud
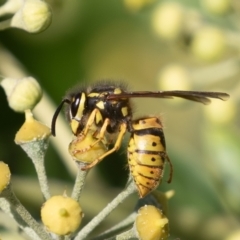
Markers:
point(208, 44)
point(218, 7)
point(34, 16)
point(84, 150)
point(5, 176)
point(174, 76)
point(167, 20)
point(31, 130)
point(163, 198)
point(22, 93)
point(136, 5)
point(235, 235)
point(219, 112)
point(61, 215)
point(151, 224)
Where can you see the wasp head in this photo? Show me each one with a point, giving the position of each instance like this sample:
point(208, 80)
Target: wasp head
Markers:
point(76, 105)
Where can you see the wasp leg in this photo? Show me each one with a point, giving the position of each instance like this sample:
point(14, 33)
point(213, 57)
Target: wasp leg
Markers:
point(171, 169)
point(102, 132)
point(123, 129)
point(90, 121)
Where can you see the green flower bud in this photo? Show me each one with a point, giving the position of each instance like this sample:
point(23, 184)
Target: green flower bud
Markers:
point(5, 176)
point(61, 215)
point(22, 94)
point(34, 16)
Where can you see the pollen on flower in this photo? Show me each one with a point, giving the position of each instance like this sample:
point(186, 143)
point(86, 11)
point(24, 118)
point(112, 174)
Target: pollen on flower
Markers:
point(63, 212)
point(61, 215)
point(31, 130)
point(5, 176)
point(151, 223)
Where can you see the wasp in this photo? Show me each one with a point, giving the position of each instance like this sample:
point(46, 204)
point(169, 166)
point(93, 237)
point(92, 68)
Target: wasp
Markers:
point(104, 111)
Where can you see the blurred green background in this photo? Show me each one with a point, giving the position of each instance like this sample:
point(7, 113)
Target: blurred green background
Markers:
point(167, 45)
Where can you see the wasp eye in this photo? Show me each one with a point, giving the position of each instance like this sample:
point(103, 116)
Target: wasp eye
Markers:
point(75, 104)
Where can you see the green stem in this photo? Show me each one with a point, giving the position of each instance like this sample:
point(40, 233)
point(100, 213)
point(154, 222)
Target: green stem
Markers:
point(130, 234)
point(11, 205)
point(79, 183)
point(131, 188)
point(36, 151)
point(42, 177)
point(126, 223)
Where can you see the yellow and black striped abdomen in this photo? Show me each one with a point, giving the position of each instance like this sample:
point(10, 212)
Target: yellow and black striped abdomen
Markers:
point(147, 154)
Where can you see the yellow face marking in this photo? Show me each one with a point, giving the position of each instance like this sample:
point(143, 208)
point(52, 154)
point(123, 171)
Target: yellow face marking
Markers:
point(100, 104)
point(74, 126)
point(81, 107)
point(124, 111)
point(117, 91)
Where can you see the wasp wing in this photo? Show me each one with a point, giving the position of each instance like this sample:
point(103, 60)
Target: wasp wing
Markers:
point(202, 97)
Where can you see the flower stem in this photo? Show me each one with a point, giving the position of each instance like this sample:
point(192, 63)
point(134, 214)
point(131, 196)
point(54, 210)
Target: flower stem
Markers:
point(130, 234)
point(11, 205)
point(131, 188)
point(79, 183)
point(117, 228)
point(36, 151)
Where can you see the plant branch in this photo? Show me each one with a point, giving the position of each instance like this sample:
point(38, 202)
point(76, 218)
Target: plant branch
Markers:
point(131, 188)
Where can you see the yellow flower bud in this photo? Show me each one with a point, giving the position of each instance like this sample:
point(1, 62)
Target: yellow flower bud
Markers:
point(23, 93)
point(235, 235)
point(151, 224)
point(31, 130)
point(4, 176)
point(218, 7)
point(81, 151)
point(167, 20)
point(136, 5)
point(174, 76)
point(221, 113)
point(163, 198)
point(209, 44)
point(61, 215)
point(34, 16)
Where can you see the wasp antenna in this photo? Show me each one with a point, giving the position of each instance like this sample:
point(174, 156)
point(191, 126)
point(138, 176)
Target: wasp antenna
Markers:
point(54, 119)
